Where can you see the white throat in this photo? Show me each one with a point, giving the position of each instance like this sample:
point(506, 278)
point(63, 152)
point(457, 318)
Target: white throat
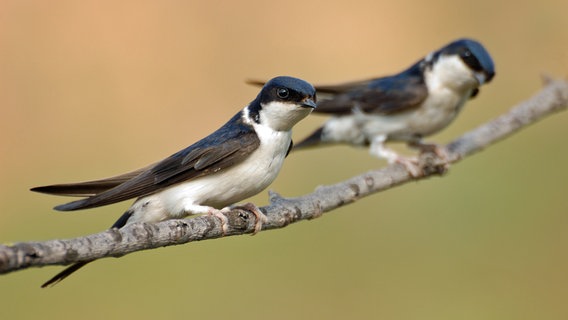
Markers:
point(281, 116)
point(452, 73)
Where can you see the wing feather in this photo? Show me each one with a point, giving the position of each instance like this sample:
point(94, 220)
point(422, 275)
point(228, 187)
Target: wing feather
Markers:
point(88, 188)
point(229, 145)
point(388, 95)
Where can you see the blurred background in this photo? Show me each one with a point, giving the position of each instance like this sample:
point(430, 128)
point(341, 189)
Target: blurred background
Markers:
point(91, 89)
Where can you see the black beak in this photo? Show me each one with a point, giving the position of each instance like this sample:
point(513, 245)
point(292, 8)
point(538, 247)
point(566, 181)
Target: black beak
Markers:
point(490, 75)
point(309, 103)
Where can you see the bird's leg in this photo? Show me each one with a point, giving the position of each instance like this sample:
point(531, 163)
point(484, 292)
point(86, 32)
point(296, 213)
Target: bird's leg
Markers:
point(252, 208)
point(219, 215)
point(378, 149)
point(191, 209)
point(435, 148)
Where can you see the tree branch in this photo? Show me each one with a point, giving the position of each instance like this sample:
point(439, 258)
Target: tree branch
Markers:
point(282, 211)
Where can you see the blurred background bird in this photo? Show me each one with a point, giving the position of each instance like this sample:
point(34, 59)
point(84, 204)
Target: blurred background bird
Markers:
point(410, 105)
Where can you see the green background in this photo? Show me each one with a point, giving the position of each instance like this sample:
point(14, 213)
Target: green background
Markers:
point(89, 89)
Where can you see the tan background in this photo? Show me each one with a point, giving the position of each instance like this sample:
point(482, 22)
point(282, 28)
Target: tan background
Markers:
point(94, 88)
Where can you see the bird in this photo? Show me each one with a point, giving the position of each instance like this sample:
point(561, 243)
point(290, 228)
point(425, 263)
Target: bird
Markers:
point(235, 162)
point(417, 102)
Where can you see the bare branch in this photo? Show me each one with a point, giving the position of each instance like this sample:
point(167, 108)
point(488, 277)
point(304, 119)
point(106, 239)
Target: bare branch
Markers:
point(282, 211)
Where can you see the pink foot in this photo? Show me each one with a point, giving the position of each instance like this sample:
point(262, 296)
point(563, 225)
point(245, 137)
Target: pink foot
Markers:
point(224, 220)
point(260, 217)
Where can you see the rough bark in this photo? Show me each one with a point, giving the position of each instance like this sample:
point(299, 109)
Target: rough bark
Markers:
point(282, 211)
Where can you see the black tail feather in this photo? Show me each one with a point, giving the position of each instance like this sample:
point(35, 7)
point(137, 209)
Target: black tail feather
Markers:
point(121, 222)
point(254, 82)
point(88, 188)
point(65, 273)
point(83, 189)
point(73, 205)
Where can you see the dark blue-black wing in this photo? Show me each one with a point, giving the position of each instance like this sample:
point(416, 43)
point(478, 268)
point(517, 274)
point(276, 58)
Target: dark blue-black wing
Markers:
point(88, 188)
point(388, 95)
point(227, 146)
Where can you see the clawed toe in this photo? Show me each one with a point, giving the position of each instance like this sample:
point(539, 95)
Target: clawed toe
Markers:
point(260, 217)
point(412, 166)
point(224, 220)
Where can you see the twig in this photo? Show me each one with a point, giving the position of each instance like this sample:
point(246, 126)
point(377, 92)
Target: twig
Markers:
point(282, 211)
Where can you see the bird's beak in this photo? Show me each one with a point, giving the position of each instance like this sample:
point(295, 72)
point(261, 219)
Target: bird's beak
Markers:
point(309, 103)
point(483, 78)
point(480, 77)
point(489, 76)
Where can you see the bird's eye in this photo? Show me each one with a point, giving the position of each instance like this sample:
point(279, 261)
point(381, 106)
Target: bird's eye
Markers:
point(282, 93)
point(469, 59)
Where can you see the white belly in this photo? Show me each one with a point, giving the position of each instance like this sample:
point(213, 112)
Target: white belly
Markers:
point(436, 113)
point(220, 189)
point(359, 128)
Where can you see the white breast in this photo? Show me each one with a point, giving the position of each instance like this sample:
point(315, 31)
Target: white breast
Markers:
point(450, 84)
point(223, 188)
